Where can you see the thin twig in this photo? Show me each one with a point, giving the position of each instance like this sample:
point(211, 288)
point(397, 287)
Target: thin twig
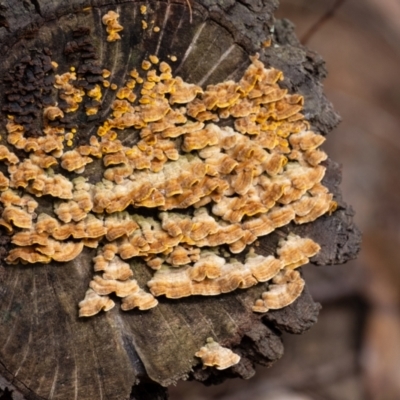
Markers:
point(322, 21)
point(190, 10)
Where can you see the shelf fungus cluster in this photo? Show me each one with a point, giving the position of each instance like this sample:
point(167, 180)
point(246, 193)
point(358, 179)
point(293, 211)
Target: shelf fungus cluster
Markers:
point(218, 168)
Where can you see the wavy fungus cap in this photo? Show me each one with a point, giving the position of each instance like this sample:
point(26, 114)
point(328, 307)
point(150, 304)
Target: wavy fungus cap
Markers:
point(235, 184)
point(219, 167)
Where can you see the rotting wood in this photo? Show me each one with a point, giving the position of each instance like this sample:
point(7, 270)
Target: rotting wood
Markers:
point(41, 338)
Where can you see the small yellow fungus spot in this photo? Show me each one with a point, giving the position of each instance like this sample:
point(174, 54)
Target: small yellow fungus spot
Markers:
point(266, 43)
point(102, 130)
point(105, 73)
point(69, 143)
point(152, 76)
point(95, 93)
point(92, 111)
point(54, 64)
point(131, 84)
point(174, 58)
point(154, 59)
point(139, 80)
point(106, 84)
point(156, 29)
point(72, 69)
point(143, 9)
point(145, 100)
point(73, 130)
point(126, 93)
point(148, 85)
point(69, 136)
point(113, 86)
point(112, 135)
point(164, 67)
point(113, 27)
point(146, 65)
point(144, 24)
point(134, 73)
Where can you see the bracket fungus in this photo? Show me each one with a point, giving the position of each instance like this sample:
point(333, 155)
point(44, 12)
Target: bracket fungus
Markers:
point(161, 182)
point(218, 166)
point(215, 355)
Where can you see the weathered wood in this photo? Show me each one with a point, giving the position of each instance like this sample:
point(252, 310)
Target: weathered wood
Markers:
point(45, 350)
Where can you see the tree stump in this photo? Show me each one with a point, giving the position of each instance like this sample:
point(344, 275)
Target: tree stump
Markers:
point(46, 350)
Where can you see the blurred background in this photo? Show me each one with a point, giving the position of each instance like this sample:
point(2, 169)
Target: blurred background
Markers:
point(353, 352)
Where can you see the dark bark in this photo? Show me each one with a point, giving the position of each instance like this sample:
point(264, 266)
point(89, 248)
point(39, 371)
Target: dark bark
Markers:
point(149, 391)
point(45, 350)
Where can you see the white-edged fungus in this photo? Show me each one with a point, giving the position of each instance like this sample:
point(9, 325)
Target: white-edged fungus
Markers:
point(285, 288)
point(215, 355)
point(92, 304)
point(209, 185)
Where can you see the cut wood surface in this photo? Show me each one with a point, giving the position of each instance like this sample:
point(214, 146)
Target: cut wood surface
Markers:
point(46, 351)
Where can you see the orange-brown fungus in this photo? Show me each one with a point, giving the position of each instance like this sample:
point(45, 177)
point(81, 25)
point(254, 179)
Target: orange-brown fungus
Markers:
point(113, 26)
point(209, 184)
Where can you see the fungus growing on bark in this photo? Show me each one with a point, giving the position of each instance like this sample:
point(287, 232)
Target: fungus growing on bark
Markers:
point(113, 26)
point(212, 275)
point(215, 355)
point(209, 185)
point(187, 175)
point(285, 288)
point(93, 303)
